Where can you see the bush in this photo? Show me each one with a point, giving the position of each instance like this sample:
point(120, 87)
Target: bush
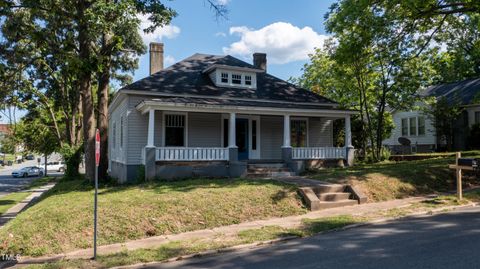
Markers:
point(474, 137)
point(385, 154)
point(140, 174)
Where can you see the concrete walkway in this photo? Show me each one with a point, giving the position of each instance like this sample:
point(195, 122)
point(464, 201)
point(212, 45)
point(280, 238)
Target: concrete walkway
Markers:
point(286, 222)
point(16, 209)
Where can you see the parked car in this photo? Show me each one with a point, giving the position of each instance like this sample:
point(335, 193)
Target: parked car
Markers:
point(58, 166)
point(30, 157)
point(28, 171)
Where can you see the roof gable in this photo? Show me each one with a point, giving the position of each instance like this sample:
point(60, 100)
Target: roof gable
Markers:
point(462, 92)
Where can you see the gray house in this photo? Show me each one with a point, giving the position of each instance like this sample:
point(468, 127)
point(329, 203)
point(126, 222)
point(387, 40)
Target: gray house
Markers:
point(211, 115)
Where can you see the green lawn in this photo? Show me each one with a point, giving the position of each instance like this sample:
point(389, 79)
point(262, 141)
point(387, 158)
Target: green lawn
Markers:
point(62, 220)
point(308, 228)
point(11, 199)
point(392, 180)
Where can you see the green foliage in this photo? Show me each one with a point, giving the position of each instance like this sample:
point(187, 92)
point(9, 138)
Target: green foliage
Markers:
point(385, 154)
point(474, 137)
point(443, 115)
point(140, 174)
point(73, 157)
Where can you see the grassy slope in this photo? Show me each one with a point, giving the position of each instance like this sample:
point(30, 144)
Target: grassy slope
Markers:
point(392, 180)
point(62, 220)
point(11, 199)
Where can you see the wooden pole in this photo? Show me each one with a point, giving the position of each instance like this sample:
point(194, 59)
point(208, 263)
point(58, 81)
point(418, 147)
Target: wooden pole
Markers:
point(459, 176)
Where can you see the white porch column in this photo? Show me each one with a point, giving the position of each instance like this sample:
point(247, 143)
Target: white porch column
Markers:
point(286, 131)
point(232, 140)
point(348, 132)
point(151, 128)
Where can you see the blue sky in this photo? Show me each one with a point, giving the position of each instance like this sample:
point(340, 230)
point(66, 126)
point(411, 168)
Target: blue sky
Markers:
point(285, 30)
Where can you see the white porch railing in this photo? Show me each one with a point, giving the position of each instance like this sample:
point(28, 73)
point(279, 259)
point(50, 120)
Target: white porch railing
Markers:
point(191, 154)
point(319, 153)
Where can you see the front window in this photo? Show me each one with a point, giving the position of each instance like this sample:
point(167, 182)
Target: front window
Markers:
point(121, 132)
point(421, 125)
point(404, 127)
point(236, 79)
point(413, 126)
point(175, 130)
point(254, 134)
point(477, 117)
point(114, 131)
point(298, 133)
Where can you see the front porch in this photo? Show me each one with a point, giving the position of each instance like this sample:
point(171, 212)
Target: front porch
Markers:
point(190, 142)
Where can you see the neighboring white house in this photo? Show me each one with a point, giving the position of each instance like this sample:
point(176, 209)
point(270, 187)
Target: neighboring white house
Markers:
point(418, 128)
point(211, 115)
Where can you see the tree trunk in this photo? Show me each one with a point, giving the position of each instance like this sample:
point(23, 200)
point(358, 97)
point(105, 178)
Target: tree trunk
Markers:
point(102, 122)
point(85, 76)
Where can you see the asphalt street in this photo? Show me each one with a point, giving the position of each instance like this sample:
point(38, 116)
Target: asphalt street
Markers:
point(10, 184)
point(449, 240)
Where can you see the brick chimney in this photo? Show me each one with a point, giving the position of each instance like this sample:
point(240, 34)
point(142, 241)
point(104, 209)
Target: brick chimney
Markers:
point(156, 57)
point(260, 60)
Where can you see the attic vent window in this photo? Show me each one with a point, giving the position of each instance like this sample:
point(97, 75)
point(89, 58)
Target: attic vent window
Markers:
point(224, 77)
point(248, 80)
point(236, 79)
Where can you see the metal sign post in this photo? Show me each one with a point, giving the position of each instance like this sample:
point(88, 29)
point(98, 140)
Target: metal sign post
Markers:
point(97, 162)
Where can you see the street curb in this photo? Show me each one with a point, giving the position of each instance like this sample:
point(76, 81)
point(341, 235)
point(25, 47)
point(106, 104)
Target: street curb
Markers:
point(208, 253)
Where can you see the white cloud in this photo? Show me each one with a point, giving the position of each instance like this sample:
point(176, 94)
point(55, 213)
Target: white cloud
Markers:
point(221, 34)
point(282, 41)
point(169, 60)
point(168, 31)
point(223, 2)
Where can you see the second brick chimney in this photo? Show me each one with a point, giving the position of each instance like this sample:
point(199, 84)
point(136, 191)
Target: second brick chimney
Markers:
point(260, 60)
point(156, 57)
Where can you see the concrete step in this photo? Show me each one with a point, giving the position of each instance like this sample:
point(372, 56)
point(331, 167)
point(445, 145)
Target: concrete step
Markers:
point(334, 196)
point(267, 170)
point(271, 175)
point(333, 204)
point(319, 189)
point(266, 165)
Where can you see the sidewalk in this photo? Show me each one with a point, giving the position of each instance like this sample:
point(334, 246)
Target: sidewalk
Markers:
point(285, 222)
point(16, 209)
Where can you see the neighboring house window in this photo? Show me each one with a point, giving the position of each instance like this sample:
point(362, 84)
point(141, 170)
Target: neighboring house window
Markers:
point(224, 77)
point(236, 79)
point(298, 133)
point(421, 125)
point(477, 117)
point(248, 80)
point(121, 132)
point(114, 138)
point(413, 126)
point(174, 130)
point(254, 134)
point(404, 127)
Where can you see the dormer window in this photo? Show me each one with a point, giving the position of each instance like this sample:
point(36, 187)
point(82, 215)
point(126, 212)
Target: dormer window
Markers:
point(224, 77)
point(248, 80)
point(243, 78)
point(237, 79)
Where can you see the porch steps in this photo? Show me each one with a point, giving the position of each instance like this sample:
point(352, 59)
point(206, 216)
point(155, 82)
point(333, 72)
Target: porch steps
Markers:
point(325, 196)
point(268, 170)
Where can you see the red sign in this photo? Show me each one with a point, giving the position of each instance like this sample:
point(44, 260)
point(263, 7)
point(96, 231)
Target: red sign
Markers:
point(97, 148)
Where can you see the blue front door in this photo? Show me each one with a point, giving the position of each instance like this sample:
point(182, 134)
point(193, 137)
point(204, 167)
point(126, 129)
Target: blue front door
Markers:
point(241, 126)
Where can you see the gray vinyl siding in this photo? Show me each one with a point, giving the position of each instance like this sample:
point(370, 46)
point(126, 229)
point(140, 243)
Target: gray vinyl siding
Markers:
point(137, 130)
point(271, 137)
point(118, 153)
point(320, 132)
point(204, 129)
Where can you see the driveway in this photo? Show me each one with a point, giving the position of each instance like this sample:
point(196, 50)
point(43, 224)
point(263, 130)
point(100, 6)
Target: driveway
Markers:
point(450, 240)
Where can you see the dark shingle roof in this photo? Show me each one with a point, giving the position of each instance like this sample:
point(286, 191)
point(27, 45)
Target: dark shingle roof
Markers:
point(463, 92)
point(187, 78)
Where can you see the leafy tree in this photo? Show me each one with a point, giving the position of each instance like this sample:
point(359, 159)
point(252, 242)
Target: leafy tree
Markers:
point(443, 115)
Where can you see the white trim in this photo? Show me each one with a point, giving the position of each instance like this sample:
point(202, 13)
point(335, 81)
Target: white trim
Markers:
point(139, 92)
point(164, 113)
point(232, 68)
point(190, 107)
